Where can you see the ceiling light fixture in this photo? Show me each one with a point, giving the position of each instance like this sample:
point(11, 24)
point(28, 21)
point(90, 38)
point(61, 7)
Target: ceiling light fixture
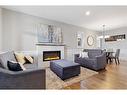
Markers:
point(87, 13)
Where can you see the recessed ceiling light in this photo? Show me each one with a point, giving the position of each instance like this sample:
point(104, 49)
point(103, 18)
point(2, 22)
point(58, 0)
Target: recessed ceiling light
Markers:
point(87, 13)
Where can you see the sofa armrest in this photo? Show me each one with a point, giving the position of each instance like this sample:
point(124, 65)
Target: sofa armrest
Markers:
point(29, 79)
point(90, 61)
point(102, 56)
point(76, 56)
point(101, 60)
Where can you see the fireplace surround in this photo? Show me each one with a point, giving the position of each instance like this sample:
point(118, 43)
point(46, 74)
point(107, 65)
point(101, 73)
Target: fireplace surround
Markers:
point(45, 48)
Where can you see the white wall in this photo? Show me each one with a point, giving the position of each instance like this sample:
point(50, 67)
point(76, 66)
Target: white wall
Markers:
point(122, 45)
point(19, 32)
point(0, 29)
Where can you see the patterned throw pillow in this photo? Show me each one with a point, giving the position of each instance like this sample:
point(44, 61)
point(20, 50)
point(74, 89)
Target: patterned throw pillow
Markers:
point(20, 57)
point(29, 59)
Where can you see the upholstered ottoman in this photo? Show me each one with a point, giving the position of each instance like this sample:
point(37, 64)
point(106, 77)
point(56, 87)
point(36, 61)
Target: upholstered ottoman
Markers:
point(65, 69)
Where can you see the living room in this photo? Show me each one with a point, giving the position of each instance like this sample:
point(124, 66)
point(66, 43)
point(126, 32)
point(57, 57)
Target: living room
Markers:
point(51, 43)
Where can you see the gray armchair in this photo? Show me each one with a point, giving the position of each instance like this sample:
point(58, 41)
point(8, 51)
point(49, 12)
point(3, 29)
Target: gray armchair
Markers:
point(96, 59)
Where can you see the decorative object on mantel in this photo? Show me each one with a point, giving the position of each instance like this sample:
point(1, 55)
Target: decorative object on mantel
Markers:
point(90, 40)
point(49, 34)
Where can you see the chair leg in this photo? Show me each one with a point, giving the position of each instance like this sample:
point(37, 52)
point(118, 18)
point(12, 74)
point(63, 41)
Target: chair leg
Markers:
point(107, 61)
point(115, 61)
point(110, 60)
point(118, 61)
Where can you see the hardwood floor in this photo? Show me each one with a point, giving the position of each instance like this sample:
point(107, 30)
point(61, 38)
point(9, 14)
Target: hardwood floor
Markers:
point(114, 77)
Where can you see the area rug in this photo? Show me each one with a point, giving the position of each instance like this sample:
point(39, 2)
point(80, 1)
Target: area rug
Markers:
point(54, 82)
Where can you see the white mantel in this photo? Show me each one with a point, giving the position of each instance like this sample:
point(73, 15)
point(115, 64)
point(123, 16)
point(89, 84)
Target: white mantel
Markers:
point(48, 47)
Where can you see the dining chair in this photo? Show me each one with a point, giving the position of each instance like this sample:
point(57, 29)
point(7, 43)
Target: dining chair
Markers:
point(109, 53)
point(116, 56)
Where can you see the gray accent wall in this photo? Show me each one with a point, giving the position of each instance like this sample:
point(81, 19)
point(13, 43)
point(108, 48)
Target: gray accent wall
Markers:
point(20, 34)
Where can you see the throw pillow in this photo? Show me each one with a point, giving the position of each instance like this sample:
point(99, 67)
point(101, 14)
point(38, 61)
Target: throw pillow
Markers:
point(14, 66)
point(83, 54)
point(29, 59)
point(22, 66)
point(20, 57)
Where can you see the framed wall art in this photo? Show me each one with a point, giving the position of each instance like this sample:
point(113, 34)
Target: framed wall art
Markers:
point(80, 39)
point(49, 34)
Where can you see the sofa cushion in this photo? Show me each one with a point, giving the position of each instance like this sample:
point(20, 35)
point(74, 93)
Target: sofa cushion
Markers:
point(5, 57)
point(30, 66)
point(94, 52)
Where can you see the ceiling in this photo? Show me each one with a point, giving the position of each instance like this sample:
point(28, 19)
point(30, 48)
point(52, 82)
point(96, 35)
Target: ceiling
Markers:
point(111, 16)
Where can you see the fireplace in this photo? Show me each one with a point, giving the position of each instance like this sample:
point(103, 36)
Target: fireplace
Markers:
point(51, 55)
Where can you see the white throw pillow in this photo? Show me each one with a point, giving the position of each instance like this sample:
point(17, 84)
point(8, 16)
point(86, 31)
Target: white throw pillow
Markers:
point(22, 66)
point(83, 54)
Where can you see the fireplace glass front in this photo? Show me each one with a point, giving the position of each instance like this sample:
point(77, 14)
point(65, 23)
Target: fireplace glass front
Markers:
point(51, 55)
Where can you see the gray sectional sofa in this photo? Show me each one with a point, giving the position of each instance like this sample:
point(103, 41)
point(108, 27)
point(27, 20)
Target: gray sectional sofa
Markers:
point(32, 78)
point(96, 59)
